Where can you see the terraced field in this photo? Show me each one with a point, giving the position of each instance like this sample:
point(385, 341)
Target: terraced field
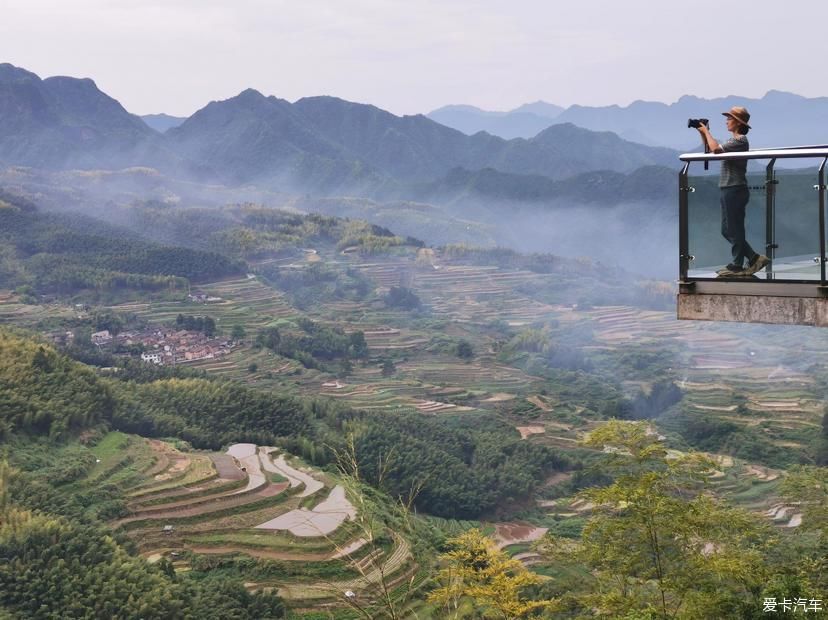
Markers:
point(14, 311)
point(725, 371)
point(752, 487)
point(250, 501)
point(732, 372)
point(244, 301)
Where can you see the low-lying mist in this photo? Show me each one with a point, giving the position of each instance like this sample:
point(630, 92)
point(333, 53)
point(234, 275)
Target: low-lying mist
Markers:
point(641, 238)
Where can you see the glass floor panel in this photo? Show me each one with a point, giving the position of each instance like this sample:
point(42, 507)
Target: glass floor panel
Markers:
point(795, 268)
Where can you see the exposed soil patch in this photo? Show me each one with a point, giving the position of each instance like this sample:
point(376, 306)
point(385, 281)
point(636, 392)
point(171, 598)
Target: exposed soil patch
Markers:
point(722, 459)
point(581, 505)
point(432, 406)
point(226, 467)
point(512, 533)
point(526, 431)
point(499, 397)
point(763, 473)
point(716, 408)
point(178, 464)
point(557, 478)
point(539, 403)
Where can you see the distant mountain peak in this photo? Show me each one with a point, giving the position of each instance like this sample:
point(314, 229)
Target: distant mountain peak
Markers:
point(9, 73)
point(783, 95)
point(570, 130)
point(248, 94)
point(338, 102)
point(458, 107)
point(541, 108)
point(65, 79)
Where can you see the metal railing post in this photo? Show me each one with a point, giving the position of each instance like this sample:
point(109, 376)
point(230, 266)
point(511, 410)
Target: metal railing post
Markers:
point(770, 215)
point(684, 236)
point(821, 190)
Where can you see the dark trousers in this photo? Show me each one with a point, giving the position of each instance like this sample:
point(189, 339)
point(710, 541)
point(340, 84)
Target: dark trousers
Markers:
point(734, 200)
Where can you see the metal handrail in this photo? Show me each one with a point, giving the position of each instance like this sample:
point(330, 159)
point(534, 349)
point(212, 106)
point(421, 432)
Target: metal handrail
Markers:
point(791, 148)
point(784, 153)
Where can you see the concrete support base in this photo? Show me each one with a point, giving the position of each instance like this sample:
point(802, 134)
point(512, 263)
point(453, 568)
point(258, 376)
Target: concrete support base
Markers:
point(754, 309)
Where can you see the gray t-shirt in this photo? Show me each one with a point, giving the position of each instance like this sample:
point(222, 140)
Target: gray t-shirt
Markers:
point(734, 171)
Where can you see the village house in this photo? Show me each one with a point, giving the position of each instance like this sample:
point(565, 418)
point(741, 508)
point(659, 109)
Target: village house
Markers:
point(202, 298)
point(172, 346)
point(199, 353)
point(101, 338)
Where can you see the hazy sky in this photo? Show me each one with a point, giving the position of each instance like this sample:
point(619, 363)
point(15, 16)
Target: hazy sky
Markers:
point(412, 56)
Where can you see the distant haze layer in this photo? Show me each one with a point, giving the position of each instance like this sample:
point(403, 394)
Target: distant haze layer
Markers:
point(777, 119)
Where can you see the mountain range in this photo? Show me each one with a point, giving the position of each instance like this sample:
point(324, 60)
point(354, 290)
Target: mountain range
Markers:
point(317, 144)
point(524, 122)
point(778, 119)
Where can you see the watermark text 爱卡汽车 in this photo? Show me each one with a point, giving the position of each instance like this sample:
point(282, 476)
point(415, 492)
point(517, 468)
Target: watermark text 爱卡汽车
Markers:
point(792, 605)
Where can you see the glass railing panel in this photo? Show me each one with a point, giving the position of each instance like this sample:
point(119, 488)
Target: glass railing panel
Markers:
point(796, 227)
point(709, 249)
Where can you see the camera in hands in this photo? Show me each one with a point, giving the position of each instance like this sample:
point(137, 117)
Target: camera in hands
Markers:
point(695, 123)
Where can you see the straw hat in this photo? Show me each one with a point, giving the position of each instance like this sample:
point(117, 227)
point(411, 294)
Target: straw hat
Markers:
point(739, 114)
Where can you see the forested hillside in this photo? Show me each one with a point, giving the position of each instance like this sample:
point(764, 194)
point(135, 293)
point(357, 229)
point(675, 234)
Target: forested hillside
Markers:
point(54, 253)
point(252, 231)
point(64, 122)
point(463, 472)
point(46, 393)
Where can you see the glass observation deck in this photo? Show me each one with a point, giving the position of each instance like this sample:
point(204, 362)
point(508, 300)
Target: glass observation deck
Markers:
point(785, 220)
